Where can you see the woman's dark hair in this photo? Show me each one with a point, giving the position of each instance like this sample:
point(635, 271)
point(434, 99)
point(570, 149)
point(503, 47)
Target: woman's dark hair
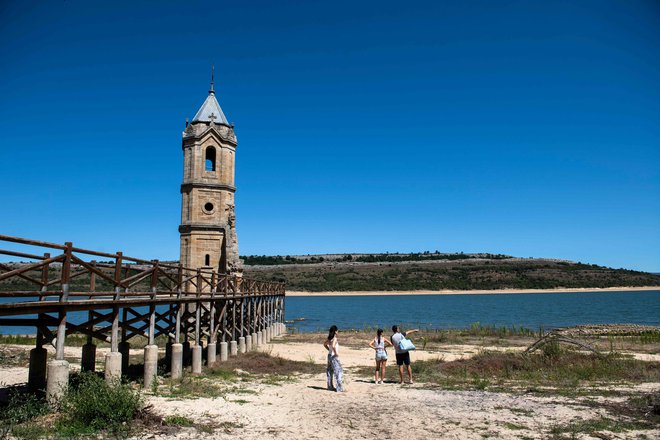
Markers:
point(395, 328)
point(379, 333)
point(331, 334)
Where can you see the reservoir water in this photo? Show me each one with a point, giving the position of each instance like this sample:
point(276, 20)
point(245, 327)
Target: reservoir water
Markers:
point(529, 310)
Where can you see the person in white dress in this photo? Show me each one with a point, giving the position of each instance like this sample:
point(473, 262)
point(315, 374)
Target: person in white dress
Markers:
point(334, 369)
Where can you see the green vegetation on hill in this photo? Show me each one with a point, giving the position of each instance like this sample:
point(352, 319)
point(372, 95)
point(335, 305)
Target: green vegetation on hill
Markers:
point(264, 260)
point(481, 273)
point(400, 272)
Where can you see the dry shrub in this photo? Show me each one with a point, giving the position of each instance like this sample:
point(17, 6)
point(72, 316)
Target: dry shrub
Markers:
point(567, 366)
point(258, 362)
point(486, 364)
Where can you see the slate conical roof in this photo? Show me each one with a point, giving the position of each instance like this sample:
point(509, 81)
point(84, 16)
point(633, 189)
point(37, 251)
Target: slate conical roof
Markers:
point(210, 110)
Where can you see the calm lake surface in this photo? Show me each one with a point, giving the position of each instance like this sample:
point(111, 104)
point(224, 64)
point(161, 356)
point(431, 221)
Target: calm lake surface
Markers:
point(530, 310)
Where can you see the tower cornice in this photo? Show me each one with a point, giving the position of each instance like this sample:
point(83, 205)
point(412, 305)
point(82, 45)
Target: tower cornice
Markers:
point(192, 227)
point(199, 130)
point(187, 186)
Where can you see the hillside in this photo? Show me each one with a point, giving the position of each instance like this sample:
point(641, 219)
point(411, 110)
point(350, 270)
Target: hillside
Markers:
point(406, 272)
point(403, 272)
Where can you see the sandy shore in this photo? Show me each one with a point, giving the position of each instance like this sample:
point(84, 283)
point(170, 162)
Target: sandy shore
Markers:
point(468, 292)
point(301, 407)
point(304, 409)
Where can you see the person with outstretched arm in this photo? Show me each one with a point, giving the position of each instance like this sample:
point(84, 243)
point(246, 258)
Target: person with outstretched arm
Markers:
point(402, 356)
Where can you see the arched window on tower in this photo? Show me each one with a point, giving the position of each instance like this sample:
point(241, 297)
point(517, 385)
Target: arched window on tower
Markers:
point(207, 260)
point(209, 163)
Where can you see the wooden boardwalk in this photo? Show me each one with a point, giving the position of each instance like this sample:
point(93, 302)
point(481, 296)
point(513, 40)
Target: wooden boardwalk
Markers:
point(116, 298)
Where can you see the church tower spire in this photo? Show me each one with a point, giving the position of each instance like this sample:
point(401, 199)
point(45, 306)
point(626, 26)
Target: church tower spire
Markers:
point(208, 221)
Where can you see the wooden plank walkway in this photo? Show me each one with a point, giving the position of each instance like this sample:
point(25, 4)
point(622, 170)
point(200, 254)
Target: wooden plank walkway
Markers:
point(125, 297)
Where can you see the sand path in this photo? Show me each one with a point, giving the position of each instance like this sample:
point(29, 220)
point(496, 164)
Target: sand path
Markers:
point(304, 409)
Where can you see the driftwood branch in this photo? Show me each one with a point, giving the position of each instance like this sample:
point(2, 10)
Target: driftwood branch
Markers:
point(555, 337)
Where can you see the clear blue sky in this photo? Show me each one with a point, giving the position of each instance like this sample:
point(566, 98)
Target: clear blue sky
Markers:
point(520, 127)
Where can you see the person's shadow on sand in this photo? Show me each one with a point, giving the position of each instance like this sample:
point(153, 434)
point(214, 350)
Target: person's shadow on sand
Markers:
point(317, 388)
point(372, 382)
point(357, 380)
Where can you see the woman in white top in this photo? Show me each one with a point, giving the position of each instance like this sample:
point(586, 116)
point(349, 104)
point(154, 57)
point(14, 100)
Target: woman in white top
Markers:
point(334, 369)
point(378, 344)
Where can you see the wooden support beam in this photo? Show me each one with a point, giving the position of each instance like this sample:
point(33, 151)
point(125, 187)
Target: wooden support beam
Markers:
point(220, 303)
point(30, 267)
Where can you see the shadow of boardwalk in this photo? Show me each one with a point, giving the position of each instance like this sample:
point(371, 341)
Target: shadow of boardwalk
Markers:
point(9, 390)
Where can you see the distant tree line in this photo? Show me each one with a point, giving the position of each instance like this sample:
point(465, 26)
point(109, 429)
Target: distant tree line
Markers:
point(268, 260)
point(265, 260)
point(424, 256)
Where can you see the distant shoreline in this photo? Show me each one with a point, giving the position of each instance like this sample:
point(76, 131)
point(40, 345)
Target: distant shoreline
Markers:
point(468, 292)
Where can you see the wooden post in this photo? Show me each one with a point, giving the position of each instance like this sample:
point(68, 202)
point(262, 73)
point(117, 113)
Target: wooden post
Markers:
point(270, 310)
point(44, 277)
point(281, 306)
point(255, 314)
point(124, 318)
point(177, 323)
point(248, 316)
point(242, 323)
point(44, 289)
point(92, 288)
point(261, 313)
point(152, 307)
point(198, 306)
point(233, 311)
point(214, 287)
point(38, 355)
point(88, 355)
point(114, 337)
point(66, 278)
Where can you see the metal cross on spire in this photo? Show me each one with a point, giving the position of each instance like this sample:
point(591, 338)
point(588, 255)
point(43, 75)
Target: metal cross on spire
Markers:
point(212, 77)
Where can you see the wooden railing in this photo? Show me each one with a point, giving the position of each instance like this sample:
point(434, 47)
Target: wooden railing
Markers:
point(63, 278)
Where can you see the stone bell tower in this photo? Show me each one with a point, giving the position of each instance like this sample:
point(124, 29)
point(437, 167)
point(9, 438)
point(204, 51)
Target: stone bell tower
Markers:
point(208, 222)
